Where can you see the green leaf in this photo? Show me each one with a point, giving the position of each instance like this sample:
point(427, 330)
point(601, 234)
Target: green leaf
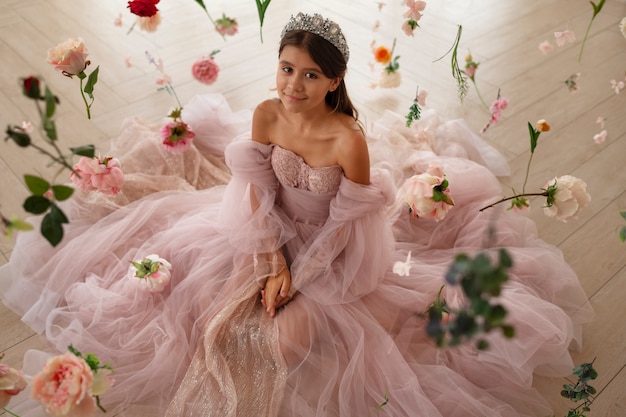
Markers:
point(36, 204)
point(91, 82)
point(50, 128)
point(86, 150)
point(22, 139)
point(597, 8)
point(50, 103)
point(19, 224)
point(622, 234)
point(534, 136)
point(58, 214)
point(51, 226)
point(62, 192)
point(201, 3)
point(37, 185)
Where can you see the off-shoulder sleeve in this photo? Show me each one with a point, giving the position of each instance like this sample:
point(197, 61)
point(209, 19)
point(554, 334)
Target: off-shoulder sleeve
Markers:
point(250, 231)
point(349, 255)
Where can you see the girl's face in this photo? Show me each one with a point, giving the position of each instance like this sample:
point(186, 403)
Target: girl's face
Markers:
point(301, 84)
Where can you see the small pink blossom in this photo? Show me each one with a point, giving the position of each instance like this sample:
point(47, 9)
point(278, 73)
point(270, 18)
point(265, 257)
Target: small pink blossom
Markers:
point(12, 382)
point(427, 194)
point(127, 62)
point(600, 120)
point(496, 108)
point(149, 23)
point(102, 174)
point(27, 127)
point(470, 70)
point(64, 387)
point(226, 25)
point(600, 137)
point(561, 38)
point(376, 26)
point(415, 9)
point(617, 86)
point(205, 69)
point(163, 79)
point(408, 28)
point(118, 20)
point(151, 273)
point(69, 57)
point(421, 97)
point(176, 136)
point(545, 47)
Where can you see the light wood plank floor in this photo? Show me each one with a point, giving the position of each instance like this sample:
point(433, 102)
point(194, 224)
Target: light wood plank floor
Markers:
point(502, 35)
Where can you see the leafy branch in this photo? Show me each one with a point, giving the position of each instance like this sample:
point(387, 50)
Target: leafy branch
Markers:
point(457, 73)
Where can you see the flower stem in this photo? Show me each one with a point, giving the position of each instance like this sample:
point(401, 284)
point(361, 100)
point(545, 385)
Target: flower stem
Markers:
point(82, 93)
point(527, 171)
point(482, 100)
point(502, 200)
point(10, 412)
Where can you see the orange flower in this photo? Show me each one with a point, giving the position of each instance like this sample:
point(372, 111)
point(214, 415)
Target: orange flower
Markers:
point(382, 54)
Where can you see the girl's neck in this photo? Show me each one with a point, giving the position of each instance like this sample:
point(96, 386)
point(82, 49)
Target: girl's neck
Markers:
point(307, 121)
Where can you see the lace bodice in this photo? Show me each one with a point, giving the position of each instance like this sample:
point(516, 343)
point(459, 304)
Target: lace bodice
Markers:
point(292, 171)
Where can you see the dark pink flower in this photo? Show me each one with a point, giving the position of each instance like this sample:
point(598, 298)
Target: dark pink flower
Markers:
point(205, 70)
point(177, 136)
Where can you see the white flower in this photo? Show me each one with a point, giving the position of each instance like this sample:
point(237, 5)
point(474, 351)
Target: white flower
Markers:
point(389, 79)
point(151, 273)
point(427, 194)
point(403, 268)
point(569, 197)
point(600, 137)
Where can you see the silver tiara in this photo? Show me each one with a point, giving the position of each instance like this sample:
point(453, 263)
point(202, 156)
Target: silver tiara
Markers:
point(317, 25)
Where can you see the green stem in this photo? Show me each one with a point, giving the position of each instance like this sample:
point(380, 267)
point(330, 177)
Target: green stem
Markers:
point(479, 95)
point(10, 412)
point(82, 93)
point(502, 200)
point(214, 24)
point(527, 171)
point(580, 55)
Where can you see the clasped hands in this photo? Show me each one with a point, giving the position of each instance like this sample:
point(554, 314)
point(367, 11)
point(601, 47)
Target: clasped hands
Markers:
point(275, 294)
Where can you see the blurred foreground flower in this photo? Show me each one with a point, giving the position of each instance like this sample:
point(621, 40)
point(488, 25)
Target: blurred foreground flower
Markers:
point(12, 382)
point(403, 268)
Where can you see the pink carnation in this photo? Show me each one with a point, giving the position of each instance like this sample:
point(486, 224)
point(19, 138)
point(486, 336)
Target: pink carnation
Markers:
point(64, 387)
point(205, 70)
point(177, 136)
point(102, 174)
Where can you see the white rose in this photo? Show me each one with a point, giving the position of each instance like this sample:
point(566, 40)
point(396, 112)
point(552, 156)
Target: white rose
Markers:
point(570, 197)
point(153, 282)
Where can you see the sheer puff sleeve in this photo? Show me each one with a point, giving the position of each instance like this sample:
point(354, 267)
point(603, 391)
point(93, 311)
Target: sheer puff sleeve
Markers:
point(256, 228)
point(348, 256)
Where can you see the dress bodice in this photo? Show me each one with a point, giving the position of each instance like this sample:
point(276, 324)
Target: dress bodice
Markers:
point(292, 171)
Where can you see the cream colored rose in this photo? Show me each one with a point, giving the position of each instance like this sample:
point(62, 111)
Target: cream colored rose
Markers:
point(69, 57)
point(389, 79)
point(570, 197)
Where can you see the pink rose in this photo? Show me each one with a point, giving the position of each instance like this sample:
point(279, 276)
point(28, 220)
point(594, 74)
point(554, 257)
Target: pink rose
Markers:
point(177, 136)
point(64, 387)
point(69, 57)
point(427, 194)
point(567, 195)
point(151, 273)
point(102, 174)
point(12, 382)
point(205, 70)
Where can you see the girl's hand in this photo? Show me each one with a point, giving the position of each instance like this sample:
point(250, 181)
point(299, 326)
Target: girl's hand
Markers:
point(276, 292)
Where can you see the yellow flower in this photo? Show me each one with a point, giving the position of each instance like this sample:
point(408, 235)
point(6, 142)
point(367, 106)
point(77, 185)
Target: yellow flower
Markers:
point(542, 126)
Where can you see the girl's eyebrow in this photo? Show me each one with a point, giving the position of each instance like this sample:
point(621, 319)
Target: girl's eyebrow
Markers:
point(312, 69)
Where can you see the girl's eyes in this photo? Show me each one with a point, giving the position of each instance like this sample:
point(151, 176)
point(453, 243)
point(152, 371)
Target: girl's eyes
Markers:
point(289, 70)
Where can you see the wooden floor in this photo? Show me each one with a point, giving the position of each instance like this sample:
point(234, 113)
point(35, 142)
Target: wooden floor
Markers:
point(503, 36)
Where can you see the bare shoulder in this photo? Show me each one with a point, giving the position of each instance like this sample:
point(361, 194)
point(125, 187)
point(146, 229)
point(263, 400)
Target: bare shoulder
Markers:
point(353, 154)
point(263, 121)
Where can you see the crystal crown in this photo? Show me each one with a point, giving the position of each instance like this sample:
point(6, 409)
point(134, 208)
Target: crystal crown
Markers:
point(320, 26)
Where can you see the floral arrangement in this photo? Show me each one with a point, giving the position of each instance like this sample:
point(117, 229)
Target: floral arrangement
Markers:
point(69, 385)
point(427, 194)
point(151, 273)
point(565, 195)
point(44, 193)
point(70, 58)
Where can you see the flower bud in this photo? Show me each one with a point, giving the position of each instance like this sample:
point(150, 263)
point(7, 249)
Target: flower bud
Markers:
point(542, 126)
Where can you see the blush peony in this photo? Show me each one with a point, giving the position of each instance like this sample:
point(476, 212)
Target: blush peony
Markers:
point(205, 70)
point(427, 194)
point(102, 174)
point(69, 57)
point(64, 387)
point(567, 195)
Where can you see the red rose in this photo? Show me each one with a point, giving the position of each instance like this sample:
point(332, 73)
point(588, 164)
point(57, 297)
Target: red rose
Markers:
point(31, 87)
point(143, 8)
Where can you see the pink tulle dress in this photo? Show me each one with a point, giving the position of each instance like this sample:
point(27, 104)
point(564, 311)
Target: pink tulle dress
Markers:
point(350, 342)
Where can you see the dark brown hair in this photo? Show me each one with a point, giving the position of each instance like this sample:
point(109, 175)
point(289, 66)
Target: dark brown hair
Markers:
point(331, 62)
